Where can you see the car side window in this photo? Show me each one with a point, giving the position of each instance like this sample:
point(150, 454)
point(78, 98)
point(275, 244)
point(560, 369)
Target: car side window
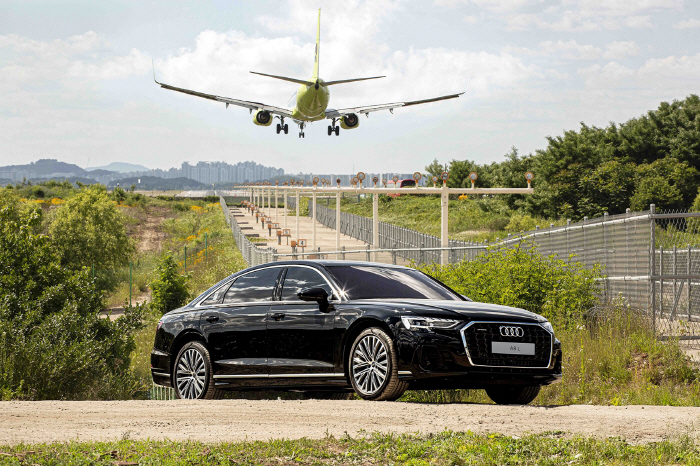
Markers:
point(254, 286)
point(215, 297)
point(302, 278)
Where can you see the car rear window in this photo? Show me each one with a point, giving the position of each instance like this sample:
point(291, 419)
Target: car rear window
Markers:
point(369, 282)
point(408, 183)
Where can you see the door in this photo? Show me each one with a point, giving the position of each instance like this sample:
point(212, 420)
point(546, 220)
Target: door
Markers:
point(236, 329)
point(300, 336)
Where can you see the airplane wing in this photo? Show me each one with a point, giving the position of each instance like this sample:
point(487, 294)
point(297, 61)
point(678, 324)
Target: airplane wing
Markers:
point(333, 113)
point(228, 101)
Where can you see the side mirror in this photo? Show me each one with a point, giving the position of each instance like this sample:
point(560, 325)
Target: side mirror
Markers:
point(315, 294)
point(466, 298)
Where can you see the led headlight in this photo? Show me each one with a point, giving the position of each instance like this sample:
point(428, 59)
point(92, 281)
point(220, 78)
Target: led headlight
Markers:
point(547, 326)
point(428, 322)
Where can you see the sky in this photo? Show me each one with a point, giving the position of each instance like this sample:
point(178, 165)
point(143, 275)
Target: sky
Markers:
point(76, 80)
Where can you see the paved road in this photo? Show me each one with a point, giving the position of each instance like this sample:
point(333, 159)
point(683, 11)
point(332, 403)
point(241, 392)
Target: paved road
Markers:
point(232, 420)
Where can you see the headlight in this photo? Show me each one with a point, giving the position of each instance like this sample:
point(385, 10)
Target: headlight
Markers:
point(547, 326)
point(428, 322)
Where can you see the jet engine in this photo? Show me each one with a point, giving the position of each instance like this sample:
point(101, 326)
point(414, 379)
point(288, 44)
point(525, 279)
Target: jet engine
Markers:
point(349, 121)
point(262, 118)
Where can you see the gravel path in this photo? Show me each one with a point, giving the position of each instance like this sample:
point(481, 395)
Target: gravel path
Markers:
point(231, 420)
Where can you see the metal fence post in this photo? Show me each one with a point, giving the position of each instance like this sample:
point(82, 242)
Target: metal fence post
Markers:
point(130, 264)
point(343, 253)
point(689, 280)
point(368, 258)
point(393, 254)
point(652, 265)
point(185, 258)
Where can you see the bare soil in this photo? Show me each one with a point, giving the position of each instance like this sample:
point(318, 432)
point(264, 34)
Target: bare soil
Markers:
point(236, 420)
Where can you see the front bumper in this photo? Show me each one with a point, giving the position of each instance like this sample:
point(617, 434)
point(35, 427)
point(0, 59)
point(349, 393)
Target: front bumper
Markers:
point(439, 359)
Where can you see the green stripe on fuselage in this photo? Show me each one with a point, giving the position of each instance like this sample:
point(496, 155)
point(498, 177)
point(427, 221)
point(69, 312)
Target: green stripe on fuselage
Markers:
point(311, 102)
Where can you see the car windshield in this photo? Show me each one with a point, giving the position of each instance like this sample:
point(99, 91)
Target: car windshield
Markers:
point(368, 282)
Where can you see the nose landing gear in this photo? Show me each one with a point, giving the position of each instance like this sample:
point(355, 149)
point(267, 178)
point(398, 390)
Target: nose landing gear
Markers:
point(301, 130)
point(333, 129)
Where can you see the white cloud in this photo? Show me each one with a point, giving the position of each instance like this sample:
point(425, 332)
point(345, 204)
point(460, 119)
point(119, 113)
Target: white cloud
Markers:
point(623, 7)
point(498, 6)
point(672, 74)
point(570, 50)
point(618, 50)
point(470, 19)
point(690, 23)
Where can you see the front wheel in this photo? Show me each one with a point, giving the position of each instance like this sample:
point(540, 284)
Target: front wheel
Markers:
point(373, 366)
point(192, 373)
point(513, 395)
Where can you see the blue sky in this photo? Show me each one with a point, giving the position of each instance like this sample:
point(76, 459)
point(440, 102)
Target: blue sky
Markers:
point(75, 78)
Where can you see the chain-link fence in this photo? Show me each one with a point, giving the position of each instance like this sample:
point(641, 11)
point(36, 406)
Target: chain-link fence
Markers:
point(252, 254)
point(650, 259)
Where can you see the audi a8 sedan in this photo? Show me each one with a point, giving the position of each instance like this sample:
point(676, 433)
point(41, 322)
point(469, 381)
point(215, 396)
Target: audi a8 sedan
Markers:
point(330, 328)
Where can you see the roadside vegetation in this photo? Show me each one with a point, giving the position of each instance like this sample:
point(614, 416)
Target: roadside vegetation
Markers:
point(611, 355)
point(445, 448)
point(65, 259)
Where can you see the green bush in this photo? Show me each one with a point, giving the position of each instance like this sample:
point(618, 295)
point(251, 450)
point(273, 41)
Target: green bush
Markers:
point(54, 345)
point(561, 291)
point(89, 230)
point(169, 289)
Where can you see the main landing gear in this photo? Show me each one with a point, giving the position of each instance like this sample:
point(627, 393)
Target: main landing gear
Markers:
point(282, 126)
point(333, 129)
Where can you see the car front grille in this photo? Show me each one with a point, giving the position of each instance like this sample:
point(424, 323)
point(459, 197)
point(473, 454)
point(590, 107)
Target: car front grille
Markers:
point(479, 335)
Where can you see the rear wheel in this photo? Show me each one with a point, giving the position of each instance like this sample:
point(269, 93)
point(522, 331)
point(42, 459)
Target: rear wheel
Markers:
point(337, 130)
point(279, 128)
point(373, 366)
point(513, 395)
point(193, 379)
point(286, 128)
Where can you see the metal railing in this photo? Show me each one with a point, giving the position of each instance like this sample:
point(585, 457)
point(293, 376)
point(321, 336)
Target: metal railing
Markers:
point(252, 254)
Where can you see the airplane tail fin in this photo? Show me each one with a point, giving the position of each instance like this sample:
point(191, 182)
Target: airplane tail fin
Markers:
point(318, 45)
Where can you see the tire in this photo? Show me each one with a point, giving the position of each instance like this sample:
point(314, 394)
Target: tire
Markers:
point(286, 128)
point(328, 395)
point(373, 366)
point(337, 130)
point(513, 395)
point(330, 130)
point(279, 128)
point(194, 355)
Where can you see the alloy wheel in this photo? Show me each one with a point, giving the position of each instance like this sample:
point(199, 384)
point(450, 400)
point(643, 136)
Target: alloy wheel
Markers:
point(191, 374)
point(370, 364)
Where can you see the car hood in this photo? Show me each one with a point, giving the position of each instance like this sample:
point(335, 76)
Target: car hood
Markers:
point(467, 310)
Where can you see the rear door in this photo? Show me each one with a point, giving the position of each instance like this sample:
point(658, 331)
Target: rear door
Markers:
point(301, 337)
point(236, 329)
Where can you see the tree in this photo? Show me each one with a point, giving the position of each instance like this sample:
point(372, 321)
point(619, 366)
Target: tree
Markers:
point(89, 230)
point(169, 289)
point(53, 344)
point(656, 190)
point(435, 168)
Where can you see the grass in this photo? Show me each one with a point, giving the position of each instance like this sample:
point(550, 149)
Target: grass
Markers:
point(470, 219)
point(445, 448)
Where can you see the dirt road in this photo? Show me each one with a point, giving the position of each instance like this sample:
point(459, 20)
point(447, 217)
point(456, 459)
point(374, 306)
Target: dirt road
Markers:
point(230, 420)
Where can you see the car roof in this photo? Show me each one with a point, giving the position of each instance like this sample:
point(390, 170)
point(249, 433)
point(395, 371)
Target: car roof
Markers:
point(332, 263)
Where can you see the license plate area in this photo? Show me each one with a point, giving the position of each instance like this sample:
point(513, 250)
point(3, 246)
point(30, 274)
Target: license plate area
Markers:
point(506, 347)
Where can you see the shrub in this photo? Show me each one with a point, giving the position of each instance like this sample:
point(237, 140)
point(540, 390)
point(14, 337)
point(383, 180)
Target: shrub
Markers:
point(562, 291)
point(169, 289)
point(54, 344)
point(90, 230)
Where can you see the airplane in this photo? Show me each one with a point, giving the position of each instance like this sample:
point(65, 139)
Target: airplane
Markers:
point(312, 99)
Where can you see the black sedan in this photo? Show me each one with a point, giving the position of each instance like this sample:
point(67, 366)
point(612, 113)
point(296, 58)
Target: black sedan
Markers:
point(329, 328)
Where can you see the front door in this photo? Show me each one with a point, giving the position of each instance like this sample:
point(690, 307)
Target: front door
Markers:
point(236, 330)
point(300, 336)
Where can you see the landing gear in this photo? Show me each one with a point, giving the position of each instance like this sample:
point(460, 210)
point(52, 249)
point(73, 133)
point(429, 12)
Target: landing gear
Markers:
point(281, 126)
point(301, 130)
point(332, 128)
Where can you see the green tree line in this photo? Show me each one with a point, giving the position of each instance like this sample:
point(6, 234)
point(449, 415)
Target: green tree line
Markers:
point(654, 158)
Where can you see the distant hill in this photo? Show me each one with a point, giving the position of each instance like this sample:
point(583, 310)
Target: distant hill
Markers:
point(46, 167)
point(120, 167)
point(154, 182)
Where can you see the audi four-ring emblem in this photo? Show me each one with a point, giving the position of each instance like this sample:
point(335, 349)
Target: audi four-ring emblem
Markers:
point(507, 331)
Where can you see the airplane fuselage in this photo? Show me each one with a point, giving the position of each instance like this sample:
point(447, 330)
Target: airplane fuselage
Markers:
point(312, 101)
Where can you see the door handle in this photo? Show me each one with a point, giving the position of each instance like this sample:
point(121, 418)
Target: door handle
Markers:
point(212, 319)
point(278, 316)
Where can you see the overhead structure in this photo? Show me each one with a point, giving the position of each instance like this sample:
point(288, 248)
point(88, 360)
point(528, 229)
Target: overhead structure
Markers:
point(257, 191)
